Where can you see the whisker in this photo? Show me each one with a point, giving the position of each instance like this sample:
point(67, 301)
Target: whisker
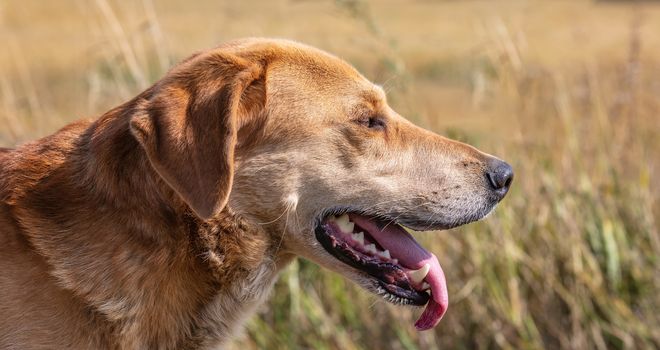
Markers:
point(395, 200)
point(398, 216)
point(430, 223)
point(274, 220)
point(291, 203)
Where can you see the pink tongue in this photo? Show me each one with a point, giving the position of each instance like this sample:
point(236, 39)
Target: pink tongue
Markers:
point(411, 255)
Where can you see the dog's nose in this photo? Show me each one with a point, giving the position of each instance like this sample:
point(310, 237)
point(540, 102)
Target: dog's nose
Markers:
point(500, 176)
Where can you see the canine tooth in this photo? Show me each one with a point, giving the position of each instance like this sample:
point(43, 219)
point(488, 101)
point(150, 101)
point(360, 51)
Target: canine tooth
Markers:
point(370, 248)
point(418, 276)
point(385, 254)
point(359, 237)
point(426, 286)
point(345, 224)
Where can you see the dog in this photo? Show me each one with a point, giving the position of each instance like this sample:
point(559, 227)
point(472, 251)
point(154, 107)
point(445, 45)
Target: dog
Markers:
point(164, 223)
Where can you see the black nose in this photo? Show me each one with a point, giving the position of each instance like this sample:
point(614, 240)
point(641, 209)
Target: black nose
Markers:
point(500, 176)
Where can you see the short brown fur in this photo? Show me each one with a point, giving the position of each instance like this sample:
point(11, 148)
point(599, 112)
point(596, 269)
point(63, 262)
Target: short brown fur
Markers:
point(164, 223)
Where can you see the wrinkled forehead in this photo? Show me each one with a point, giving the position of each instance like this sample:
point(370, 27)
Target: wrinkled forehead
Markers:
point(322, 84)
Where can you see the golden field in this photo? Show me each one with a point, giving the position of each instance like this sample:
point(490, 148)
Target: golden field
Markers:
point(567, 91)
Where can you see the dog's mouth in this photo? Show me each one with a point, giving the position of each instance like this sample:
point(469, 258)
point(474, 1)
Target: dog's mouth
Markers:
point(403, 271)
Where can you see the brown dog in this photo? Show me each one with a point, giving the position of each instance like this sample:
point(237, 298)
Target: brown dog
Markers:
point(165, 222)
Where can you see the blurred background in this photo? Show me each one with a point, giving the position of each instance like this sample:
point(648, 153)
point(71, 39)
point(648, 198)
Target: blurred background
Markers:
point(567, 91)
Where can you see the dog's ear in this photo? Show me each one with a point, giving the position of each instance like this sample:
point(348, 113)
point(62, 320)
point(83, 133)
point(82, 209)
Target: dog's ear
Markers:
point(188, 126)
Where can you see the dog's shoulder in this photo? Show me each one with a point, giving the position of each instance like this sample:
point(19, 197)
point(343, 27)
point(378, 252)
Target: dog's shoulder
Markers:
point(4, 178)
point(4, 153)
point(12, 241)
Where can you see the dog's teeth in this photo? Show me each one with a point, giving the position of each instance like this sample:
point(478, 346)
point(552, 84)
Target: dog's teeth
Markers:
point(345, 225)
point(426, 286)
point(371, 248)
point(385, 254)
point(348, 228)
point(359, 237)
point(418, 276)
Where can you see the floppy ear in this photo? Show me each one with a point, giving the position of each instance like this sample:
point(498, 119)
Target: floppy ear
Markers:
point(188, 127)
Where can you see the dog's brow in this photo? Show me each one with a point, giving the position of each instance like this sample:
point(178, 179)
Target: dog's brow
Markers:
point(374, 97)
point(380, 92)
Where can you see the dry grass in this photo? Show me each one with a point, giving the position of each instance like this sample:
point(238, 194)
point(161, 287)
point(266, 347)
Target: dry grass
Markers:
point(567, 91)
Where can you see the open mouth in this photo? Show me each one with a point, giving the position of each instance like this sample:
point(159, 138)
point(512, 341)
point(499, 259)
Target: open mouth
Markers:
point(403, 271)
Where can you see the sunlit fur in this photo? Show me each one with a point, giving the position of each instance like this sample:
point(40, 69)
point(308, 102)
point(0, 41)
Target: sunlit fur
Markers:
point(163, 223)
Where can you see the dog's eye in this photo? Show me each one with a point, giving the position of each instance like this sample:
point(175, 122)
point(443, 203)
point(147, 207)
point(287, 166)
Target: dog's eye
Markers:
point(373, 122)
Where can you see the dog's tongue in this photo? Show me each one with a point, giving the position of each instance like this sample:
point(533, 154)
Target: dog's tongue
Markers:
point(411, 255)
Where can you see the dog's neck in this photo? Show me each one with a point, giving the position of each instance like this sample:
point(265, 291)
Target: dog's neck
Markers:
point(155, 275)
point(241, 260)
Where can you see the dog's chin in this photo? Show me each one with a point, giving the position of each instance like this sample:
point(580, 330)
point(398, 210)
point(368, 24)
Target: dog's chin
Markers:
point(396, 296)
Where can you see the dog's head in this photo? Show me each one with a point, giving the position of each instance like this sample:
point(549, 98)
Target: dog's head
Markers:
point(298, 141)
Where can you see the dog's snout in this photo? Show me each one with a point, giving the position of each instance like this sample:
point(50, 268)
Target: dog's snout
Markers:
point(500, 176)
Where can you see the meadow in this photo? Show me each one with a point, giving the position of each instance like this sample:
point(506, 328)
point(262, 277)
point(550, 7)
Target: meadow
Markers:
point(568, 92)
